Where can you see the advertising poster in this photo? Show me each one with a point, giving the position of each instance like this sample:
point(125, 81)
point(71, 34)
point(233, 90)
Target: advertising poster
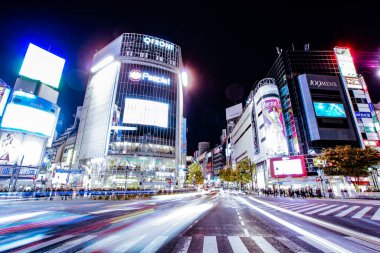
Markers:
point(15, 147)
point(4, 94)
point(274, 126)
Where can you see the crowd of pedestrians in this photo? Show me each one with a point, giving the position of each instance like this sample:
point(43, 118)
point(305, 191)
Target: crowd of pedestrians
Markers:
point(299, 192)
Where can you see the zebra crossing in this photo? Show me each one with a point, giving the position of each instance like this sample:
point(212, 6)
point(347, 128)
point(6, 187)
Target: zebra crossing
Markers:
point(340, 211)
point(189, 244)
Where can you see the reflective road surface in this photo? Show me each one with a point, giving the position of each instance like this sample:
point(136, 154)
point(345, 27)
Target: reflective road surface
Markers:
point(191, 222)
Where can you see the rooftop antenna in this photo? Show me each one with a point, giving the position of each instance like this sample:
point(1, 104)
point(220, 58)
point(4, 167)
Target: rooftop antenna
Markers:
point(293, 46)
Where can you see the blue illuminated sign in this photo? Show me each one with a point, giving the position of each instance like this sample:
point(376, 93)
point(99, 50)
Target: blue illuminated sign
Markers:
point(363, 114)
point(329, 110)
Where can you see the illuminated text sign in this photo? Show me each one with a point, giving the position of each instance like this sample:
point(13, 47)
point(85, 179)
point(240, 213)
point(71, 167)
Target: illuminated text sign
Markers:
point(137, 75)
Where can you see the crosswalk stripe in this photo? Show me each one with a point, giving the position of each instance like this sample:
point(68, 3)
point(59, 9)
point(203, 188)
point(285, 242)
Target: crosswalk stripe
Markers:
point(265, 246)
point(289, 205)
point(347, 211)
point(361, 213)
point(209, 244)
point(301, 207)
point(315, 244)
point(154, 245)
point(183, 244)
point(310, 208)
point(376, 216)
point(237, 245)
point(46, 244)
point(291, 245)
point(333, 210)
point(320, 209)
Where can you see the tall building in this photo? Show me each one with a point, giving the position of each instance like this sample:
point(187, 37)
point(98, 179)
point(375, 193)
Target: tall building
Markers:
point(131, 126)
point(29, 119)
point(313, 78)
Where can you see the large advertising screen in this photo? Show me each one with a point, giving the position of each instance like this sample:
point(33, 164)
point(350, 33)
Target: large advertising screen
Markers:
point(293, 166)
point(30, 114)
point(145, 112)
point(17, 147)
point(329, 110)
point(274, 126)
point(42, 65)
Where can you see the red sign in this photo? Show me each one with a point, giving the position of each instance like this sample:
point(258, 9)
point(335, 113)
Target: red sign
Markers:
point(318, 179)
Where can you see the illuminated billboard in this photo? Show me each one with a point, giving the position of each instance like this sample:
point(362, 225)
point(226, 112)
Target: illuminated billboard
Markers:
point(30, 114)
point(345, 62)
point(274, 126)
point(329, 110)
point(145, 112)
point(42, 65)
point(4, 94)
point(293, 166)
point(15, 147)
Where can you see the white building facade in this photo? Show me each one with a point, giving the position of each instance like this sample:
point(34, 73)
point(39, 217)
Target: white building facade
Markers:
point(130, 133)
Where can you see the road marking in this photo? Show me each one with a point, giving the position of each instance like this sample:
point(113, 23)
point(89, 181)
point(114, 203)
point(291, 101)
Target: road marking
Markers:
point(364, 243)
point(45, 244)
point(376, 216)
point(319, 222)
point(291, 245)
point(75, 242)
point(246, 232)
point(209, 244)
point(320, 209)
point(316, 245)
point(332, 210)
point(239, 217)
point(182, 245)
point(237, 245)
point(154, 245)
point(310, 208)
point(361, 213)
point(265, 246)
point(242, 223)
point(310, 236)
point(302, 207)
point(345, 212)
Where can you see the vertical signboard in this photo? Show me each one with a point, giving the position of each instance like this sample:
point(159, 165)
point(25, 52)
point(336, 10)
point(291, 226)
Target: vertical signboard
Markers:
point(274, 126)
point(368, 128)
point(4, 94)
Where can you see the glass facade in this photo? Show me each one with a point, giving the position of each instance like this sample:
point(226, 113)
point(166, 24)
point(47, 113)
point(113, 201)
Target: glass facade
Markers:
point(288, 66)
point(136, 141)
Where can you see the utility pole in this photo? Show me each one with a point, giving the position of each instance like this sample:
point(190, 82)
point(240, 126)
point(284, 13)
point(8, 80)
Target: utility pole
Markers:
point(18, 172)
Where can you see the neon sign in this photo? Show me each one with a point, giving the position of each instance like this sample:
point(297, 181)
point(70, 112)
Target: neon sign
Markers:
point(136, 75)
point(158, 42)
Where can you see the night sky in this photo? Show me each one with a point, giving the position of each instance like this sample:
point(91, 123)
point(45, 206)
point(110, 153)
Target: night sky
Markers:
point(227, 47)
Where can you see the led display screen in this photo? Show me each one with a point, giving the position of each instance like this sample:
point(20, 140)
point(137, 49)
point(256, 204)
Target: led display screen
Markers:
point(329, 110)
point(145, 112)
point(28, 119)
point(293, 166)
point(42, 65)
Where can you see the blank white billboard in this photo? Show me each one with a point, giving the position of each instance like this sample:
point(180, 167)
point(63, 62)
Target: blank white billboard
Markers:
point(288, 167)
point(145, 112)
point(42, 65)
point(234, 111)
point(28, 119)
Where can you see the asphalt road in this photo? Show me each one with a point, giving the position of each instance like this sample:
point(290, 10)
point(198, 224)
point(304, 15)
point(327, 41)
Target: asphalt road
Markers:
point(195, 222)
